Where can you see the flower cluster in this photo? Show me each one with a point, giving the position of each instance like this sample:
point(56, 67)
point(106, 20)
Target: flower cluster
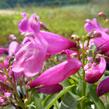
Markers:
point(26, 60)
point(22, 64)
point(100, 38)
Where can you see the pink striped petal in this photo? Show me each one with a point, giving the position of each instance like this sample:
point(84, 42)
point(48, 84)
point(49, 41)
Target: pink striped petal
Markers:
point(30, 57)
point(58, 73)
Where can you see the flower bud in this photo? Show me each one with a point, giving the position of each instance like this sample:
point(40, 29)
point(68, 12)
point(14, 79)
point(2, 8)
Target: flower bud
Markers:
point(94, 71)
point(101, 14)
point(12, 37)
point(103, 87)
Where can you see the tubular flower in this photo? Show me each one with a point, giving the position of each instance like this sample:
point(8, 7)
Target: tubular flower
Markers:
point(93, 71)
point(58, 73)
point(36, 46)
point(30, 56)
point(91, 25)
point(101, 36)
point(103, 87)
point(29, 25)
point(56, 43)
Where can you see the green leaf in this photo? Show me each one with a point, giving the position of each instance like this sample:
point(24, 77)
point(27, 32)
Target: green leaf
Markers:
point(31, 106)
point(64, 91)
point(35, 100)
point(70, 102)
point(92, 93)
point(48, 99)
point(107, 100)
point(80, 87)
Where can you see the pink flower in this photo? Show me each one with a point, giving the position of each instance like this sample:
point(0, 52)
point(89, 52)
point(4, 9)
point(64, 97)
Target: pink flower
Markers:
point(30, 56)
point(103, 87)
point(93, 71)
point(29, 25)
point(58, 73)
point(36, 46)
point(56, 43)
point(101, 36)
point(92, 25)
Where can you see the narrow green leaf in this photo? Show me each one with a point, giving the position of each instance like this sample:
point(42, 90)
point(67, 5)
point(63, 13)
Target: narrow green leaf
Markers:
point(48, 99)
point(92, 92)
point(58, 96)
point(70, 102)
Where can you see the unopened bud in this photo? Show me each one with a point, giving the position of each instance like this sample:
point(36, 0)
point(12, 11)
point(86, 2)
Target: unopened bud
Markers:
point(75, 37)
point(12, 37)
point(101, 14)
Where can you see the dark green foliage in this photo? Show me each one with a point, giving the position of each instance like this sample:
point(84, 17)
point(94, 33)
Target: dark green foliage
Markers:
point(13, 3)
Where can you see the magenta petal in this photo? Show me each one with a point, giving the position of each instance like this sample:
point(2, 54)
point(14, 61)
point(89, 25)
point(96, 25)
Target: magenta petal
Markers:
point(31, 56)
point(7, 94)
point(3, 51)
point(95, 71)
point(13, 46)
point(103, 87)
point(91, 25)
point(58, 73)
point(56, 43)
point(34, 24)
point(29, 25)
point(102, 43)
point(2, 78)
point(1, 65)
point(102, 39)
point(50, 89)
point(6, 62)
point(23, 24)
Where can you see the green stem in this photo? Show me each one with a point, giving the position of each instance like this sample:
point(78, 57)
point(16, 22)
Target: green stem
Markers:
point(83, 81)
point(107, 101)
point(56, 105)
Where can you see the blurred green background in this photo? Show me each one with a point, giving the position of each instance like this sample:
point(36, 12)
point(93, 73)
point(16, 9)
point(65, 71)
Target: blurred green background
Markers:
point(64, 17)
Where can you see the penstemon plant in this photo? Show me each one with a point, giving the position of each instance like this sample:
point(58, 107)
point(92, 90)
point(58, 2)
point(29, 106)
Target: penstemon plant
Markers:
point(79, 80)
